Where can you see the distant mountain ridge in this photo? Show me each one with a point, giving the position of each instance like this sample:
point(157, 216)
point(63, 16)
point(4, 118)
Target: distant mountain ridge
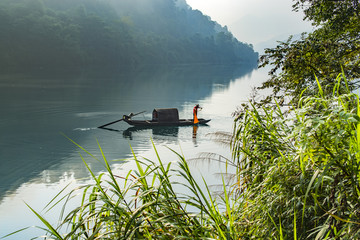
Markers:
point(78, 33)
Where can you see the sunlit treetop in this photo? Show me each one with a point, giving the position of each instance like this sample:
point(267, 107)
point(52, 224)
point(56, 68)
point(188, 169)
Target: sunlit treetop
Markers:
point(334, 11)
point(332, 48)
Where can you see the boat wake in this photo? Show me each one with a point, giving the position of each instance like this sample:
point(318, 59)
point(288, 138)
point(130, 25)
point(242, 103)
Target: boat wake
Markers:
point(85, 129)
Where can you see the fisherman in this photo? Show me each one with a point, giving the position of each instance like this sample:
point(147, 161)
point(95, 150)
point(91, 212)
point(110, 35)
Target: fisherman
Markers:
point(196, 120)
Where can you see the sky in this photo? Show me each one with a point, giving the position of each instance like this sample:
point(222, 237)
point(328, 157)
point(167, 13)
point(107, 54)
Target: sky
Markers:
point(257, 22)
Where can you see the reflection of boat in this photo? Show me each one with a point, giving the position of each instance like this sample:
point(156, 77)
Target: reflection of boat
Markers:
point(165, 131)
point(163, 117)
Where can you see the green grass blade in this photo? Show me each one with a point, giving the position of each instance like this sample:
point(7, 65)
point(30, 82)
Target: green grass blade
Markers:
point(319, 86)
point(307, 193)
point(295, 228)
point(47, 224)
point(358, 125)
point(13, 233)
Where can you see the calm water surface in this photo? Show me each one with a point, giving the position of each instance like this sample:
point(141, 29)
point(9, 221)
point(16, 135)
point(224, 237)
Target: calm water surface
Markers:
point(39, 110)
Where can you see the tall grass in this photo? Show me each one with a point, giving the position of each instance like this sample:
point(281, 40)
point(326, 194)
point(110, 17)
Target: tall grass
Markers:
point(299, 173)
point(297, 177)
point(144, 205)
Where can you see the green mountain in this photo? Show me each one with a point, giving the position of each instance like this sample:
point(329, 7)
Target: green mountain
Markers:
point(71, 34)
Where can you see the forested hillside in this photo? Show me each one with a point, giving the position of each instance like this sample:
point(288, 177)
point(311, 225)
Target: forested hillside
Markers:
point(50, 34)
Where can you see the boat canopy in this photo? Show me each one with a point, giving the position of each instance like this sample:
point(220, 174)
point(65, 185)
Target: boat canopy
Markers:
point(165, 115)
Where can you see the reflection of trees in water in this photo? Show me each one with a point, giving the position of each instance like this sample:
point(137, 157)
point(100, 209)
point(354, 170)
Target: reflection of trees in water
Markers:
point(173, 83)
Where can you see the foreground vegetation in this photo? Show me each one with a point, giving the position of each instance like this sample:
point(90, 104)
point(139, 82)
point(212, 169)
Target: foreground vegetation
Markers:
point(297, 177)
point(298, 171)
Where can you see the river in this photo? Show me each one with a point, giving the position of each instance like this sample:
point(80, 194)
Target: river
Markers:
point(40, 111)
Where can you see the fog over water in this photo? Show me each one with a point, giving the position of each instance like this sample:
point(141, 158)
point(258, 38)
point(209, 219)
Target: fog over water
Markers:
point(259, 22)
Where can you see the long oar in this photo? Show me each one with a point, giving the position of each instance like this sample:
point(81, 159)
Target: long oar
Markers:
point(130, 115)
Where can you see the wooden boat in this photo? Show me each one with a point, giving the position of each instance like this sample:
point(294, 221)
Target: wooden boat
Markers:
point(151, 123)
point(163, 117)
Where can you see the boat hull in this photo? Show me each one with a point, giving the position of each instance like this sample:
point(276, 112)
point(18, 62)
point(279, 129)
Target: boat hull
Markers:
point(151, 123)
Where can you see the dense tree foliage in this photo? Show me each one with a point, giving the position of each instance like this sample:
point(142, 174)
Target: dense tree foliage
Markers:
point(77, 33)
point(333, 47)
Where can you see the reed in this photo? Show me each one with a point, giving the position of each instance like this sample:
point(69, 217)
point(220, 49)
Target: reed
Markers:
point(298, 173)
point(145, 205)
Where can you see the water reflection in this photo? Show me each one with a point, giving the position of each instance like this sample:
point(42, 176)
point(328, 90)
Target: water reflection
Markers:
point(36, 109)
point(162, 131)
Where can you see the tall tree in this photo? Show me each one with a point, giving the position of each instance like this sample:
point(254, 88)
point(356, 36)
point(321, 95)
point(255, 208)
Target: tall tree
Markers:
point(333, 47)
